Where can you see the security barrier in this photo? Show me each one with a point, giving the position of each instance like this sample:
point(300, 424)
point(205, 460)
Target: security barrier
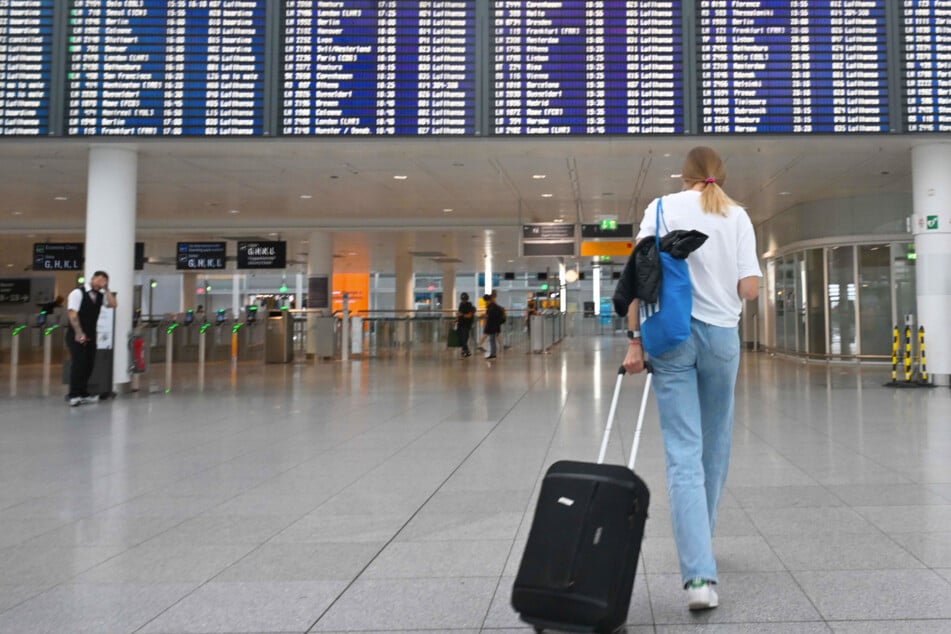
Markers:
point(914, 376)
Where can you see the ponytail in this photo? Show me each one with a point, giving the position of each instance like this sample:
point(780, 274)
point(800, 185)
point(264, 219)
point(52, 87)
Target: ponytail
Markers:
point(703, 165)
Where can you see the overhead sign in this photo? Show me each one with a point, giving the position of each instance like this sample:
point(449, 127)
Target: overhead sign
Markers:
point(193, 256)
point(607, 230)
point(60, 256)
point(608, 248)
point(548, 239)
point(15, 291)
point(262, 255)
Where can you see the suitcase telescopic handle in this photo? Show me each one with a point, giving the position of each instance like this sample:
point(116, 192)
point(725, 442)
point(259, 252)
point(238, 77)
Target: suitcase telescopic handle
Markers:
point(640, 417)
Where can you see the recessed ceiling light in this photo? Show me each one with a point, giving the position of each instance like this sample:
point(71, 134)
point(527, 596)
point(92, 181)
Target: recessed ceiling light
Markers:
point(559, 219)
point(305, 241)
point(273, 235)
point(785, 193)
point(234, 211)
point(351, 252)
point(511, 260)
point(676, 175)
point(547, 195)
point(9, 266)
point(400, 177)
point(666, 154)
point(17, 213)
point(539, 177)
point(61, 198)
point(306, 196)
point(447, 210)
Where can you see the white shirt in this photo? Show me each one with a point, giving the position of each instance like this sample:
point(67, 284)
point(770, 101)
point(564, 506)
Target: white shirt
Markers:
point(728, 255)
point(75, 298)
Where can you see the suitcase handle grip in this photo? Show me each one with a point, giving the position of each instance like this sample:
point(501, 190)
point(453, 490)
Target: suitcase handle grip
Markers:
point(640, 418)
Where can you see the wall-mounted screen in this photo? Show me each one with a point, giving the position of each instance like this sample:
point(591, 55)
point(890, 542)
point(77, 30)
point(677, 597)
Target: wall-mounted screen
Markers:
point(795, 66)
point(574, 67)
point(387, 67)
point(166, 67)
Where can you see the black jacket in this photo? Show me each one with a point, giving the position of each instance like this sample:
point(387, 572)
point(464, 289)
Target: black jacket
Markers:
point(642, 274)
point(493, 319)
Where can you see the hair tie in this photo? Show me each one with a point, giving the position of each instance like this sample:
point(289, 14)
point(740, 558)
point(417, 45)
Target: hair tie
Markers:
point(710, 180)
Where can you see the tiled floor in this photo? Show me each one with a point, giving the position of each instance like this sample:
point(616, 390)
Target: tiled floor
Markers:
point(395, 495)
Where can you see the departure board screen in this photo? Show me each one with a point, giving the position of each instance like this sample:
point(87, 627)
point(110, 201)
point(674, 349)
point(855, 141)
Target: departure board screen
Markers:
point(576, 67)
point(379, 67)
point(26, 43)
point(927, 30)
point(793, 66)
point(166, 67)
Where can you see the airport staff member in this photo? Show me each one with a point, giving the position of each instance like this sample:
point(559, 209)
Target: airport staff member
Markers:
point(82, 308)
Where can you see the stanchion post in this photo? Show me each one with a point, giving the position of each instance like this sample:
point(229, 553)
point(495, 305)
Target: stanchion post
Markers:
point(169, 337)
point(201, 356)
point(895, 354)
point(47, 358)
point(14, 358)
point(922, 365)
point(907, 354)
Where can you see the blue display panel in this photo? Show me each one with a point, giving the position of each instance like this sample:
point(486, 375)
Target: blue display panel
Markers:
point(927, 63)
point(26, 43)
point(793, 66)
point(166, 67)
point(576, 67)
point(384, 67)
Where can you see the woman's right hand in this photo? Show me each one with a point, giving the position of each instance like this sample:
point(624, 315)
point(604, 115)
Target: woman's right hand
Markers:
point(634, 359)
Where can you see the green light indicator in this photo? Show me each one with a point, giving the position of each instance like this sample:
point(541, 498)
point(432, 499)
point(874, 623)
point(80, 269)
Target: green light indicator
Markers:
point(283, 288)
point(153, 284)
point(205, 326)
point(912, 256)
point(81, 280)
point(17, 330)
point(171, 329)
point(609, 225)
point(544, 287)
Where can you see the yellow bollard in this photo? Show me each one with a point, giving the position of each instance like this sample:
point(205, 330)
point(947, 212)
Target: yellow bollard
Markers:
point(895, 355)
point(907, 354)
point(922, 368)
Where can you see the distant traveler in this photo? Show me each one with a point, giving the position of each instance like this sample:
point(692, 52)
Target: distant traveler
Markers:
point(465, 315)
point(694, 382)
point(493, 324)
point(82, 308)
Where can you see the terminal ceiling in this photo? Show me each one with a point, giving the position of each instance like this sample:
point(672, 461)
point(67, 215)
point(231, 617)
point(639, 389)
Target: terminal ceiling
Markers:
point(190, 189)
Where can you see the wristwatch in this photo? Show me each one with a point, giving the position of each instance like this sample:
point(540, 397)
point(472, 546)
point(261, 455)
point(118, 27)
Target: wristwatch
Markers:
point(633, 334)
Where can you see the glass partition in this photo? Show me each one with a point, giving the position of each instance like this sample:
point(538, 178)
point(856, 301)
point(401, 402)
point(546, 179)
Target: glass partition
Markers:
point(875, 298)
point(842, 301)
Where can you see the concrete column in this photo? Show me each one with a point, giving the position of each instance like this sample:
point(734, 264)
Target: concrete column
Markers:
point(931, 225)
point(189, 288)
point(110, 238)
point(405, 277)
point(596, 288)
point(320, 267)
point(449, 299)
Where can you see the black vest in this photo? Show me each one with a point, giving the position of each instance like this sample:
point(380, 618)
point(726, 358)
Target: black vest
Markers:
point(88, 314)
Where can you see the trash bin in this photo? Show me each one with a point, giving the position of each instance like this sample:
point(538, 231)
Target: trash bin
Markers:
point(279, 338)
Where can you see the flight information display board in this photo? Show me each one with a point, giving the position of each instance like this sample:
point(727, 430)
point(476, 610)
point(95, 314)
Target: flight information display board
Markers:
point(793, 66)
point(166, 67)
point(379, 67)
point(26, 43)
point(927, 62)
point(577, 67)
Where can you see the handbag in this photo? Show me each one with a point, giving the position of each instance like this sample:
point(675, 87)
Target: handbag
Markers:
point(665, 324)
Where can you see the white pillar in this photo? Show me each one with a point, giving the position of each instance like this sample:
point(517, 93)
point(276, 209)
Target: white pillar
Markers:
point(320, 267)
point(488, 273)
point(596, 288)
point(449, 299)
point(236, 295)
point(110, 237)
point(299, 292)
point(405, 283)
point(563, 286)
point(931, 225)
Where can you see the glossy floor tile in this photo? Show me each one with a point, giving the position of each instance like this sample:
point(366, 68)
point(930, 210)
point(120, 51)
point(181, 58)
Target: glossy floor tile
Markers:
point(396, 495)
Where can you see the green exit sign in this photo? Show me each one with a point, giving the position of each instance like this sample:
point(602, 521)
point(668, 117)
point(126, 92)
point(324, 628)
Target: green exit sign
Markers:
point(609, 225)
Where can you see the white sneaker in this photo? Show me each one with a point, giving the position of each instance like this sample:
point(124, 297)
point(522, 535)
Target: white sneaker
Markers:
point(701, 595)
point(91, 399)
point(76, 401)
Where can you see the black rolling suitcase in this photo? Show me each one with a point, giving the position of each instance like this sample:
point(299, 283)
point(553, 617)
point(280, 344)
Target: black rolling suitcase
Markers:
point(577, 572)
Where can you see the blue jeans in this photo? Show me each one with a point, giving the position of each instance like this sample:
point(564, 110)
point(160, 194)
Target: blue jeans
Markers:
point(694, 386)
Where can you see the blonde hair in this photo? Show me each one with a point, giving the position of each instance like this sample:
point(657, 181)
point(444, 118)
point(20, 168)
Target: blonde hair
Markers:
point(704, 165)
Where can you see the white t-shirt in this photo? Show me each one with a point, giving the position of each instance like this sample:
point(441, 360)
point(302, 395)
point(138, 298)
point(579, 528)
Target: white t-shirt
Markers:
point(75, 298)
point(728, 255)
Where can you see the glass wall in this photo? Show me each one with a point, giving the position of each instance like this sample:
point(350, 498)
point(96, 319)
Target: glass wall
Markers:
point(840, 301)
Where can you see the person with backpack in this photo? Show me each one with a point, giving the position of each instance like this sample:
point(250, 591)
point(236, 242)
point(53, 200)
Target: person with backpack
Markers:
point(494, 317)
point(694, 381)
